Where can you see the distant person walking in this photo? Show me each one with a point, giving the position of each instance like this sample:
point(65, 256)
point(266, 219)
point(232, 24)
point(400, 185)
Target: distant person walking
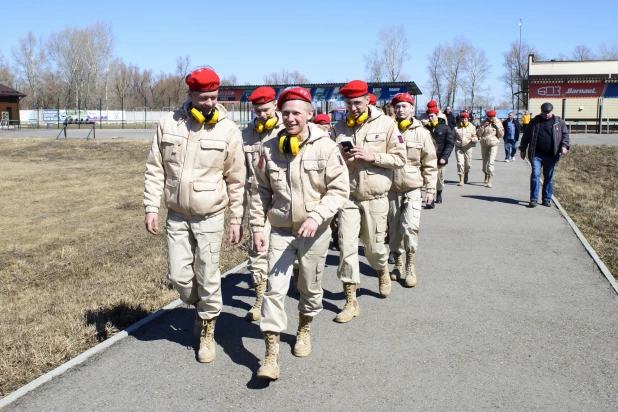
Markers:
point(511, 137)
point(545, 140)
point(525, 120)
point(450, 117)
point(465, 140)
point(490, 133)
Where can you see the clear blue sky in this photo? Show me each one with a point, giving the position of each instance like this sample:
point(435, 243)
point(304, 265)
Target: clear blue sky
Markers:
point(325, 40)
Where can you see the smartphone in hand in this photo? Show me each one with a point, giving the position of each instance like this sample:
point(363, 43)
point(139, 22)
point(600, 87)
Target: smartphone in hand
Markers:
point(347, 145)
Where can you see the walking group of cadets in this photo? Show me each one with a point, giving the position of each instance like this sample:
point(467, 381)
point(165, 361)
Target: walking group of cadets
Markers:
point(296, 178)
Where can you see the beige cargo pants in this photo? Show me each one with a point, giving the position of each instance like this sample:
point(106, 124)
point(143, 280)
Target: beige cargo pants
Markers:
point(441, 175)
point(464, 159)
point(489, 157)
point(258, 261)
point(284, 249)
point(404, 219)
point(193, 244)
point(369, 217)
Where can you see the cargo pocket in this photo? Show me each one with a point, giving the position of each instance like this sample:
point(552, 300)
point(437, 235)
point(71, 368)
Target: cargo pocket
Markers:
point(416, 208)
point(171, 147)
point(276, 175)
point(171, 189)
point(215, 249)
point(414, 150)
point(211, 153)
point(381, 228)
point(319, 272)
point(315, 172)
point(376, 142)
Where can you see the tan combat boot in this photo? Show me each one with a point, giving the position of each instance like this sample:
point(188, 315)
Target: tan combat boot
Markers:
point(207, 342)
point(489, 179)
point(303, 340)
point(254, 312)
point(398, 269)
point(486, 177)
point(296, 273)
point(270, 367)
point(384, 282)
point(461, 180)
point(410, 271)
point(351, 309)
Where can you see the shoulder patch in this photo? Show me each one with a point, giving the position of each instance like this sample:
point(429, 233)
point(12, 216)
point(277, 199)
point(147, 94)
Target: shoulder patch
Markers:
point(400, 137)
point(340, 159)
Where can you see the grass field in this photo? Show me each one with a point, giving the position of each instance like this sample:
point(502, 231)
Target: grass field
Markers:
point(76, 264)
point(586, 184)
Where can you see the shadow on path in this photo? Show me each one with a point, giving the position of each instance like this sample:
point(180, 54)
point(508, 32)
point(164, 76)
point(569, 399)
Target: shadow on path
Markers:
point(497, 199)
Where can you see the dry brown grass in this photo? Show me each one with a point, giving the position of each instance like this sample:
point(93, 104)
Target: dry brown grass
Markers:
point(76, 265)
point(586, 184)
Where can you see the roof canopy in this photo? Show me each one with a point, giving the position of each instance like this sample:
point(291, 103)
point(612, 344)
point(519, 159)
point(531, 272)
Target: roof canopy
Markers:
point(7, 91)
point(320, 91)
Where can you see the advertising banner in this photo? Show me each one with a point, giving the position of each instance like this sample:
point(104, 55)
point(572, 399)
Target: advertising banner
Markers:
point(566, 90)
point(230, 95)
point(387, 93)
point(611, 91)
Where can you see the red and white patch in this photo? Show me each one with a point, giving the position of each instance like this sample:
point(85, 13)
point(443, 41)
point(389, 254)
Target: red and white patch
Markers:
point(261, 162)
point(400, 137)
point(340, 159)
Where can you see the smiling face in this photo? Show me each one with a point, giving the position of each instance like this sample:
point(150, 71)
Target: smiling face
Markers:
point(296, 115)
point(203, 101)
point(264, 111)
point(356, 105)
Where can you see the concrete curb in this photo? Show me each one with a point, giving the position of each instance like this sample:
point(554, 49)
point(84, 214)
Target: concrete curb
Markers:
point(13, 396)
point(593, 254)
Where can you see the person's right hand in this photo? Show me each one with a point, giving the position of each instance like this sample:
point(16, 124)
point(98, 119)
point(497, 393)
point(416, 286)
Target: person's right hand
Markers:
point(259, 241)
point(151, 221)
point(522, 154)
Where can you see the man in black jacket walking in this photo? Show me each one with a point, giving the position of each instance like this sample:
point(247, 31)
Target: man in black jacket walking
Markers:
point(512, 129)
point(444, 142)
point(546, 139)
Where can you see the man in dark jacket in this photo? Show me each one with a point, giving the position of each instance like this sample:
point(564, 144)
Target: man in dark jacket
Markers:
point(546, 139)
point(444, 142)
point(511, 137)
point(450, 117)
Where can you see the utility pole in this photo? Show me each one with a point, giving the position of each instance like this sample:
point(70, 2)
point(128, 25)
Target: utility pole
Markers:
point(520, 80)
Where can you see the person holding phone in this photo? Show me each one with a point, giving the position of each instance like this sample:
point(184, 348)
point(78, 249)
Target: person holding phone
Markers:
point(405, 199)
point(372, 148)
point(303, 183)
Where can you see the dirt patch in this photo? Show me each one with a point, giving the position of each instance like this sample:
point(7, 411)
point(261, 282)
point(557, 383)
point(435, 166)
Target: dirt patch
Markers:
point(76, 265)
point(586, 184)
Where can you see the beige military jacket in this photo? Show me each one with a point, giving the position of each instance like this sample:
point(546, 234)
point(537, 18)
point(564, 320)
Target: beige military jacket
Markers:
point(464, 136)
point(490, 133)
point(252, 145)
point(199, 167)
point(380, 136)
point(421, 167)
point(290, 189)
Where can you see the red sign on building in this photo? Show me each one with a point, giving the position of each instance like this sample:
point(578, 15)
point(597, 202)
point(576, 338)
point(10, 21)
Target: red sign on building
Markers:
point(230, 95)
point(566, 90)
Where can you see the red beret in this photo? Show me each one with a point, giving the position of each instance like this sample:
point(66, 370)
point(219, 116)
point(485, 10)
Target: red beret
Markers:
point(491, 113)
point(432, 103)
point(372, 98)
point(464, 115)
point(203, 80)
point(262, 95)
point(321, 119)
point(294, 93)
point(355, 88)
point(433, 110)
point(402, 97)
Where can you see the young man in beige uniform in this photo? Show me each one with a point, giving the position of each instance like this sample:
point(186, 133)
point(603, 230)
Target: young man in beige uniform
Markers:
point(372, 147)
point(405, 198)
point(267, 123)
point(465, 138)
point(490, 133)
point(303, 183)
point(196, 160)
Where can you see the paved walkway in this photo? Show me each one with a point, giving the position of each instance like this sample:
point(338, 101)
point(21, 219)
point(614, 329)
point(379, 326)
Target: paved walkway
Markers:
point(510, 313)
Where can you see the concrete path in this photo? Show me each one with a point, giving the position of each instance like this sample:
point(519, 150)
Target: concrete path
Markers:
point(510, 313)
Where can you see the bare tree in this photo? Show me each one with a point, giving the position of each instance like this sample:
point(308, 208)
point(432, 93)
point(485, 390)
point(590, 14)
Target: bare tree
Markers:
point(30, 60)
point(434, 68)
point(452, 65)
point(583, 52)
point(285, 77)
point(608, 51)
point(230, 80)
point(7, 76)
point(476, 71)
point(516, 68)
point(386, 62)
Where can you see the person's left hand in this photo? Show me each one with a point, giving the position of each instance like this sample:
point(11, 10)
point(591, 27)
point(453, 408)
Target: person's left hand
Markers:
point(563, 150)
point(308, 228)
point(442, 162)
point(235, 233)
point(428, 198)
point(362, 154)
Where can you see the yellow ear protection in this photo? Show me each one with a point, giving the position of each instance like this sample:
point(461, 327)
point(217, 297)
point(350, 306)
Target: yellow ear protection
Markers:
point(432, 124)
point(403, 125)
point(200, 118)
point(350, 121)
point(463, 123)
point(289, 144)
point(270, 123)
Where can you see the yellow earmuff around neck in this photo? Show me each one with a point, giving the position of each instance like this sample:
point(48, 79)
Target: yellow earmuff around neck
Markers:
point(432, 124)
point(268, 125)
point(463, 124)
point(350, 121)
point(404, 124)
point(289, 144)
point(200, 118)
